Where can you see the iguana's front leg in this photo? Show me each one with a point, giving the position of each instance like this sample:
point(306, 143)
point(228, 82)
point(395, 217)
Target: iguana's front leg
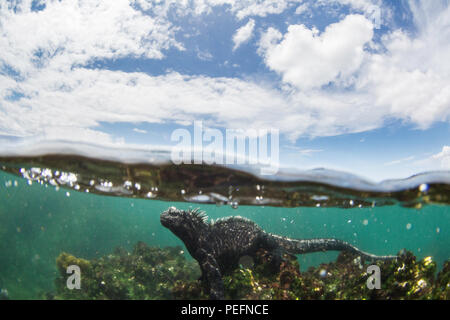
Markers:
point(211, 274)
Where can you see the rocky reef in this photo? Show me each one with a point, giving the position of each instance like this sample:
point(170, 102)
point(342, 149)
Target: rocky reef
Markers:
point(164, 273)
point(145, 273)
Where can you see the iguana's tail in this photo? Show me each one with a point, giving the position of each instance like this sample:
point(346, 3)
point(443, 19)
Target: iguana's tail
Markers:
point(295, 246)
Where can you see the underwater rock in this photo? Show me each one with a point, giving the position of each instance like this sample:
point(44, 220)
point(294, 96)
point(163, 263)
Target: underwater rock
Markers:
point(145, 273)
point(442, 287)
point(189, 290)
point(155, 273)
point(4, 294)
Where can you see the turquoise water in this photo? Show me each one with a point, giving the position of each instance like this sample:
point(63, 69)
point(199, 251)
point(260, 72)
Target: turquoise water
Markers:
point(39, 221)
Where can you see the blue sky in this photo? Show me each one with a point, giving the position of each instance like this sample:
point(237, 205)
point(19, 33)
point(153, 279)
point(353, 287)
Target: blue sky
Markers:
point(356, 85)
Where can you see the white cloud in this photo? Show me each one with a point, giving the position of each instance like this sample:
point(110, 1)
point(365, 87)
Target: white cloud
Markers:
point(365, 5)
point(84, 97)
point(139, 130)
point(74, 134)
point(301, 8)
point(399, 161)
point(247, 8)
point(67, 33)
point(301, 150)
point(243, 34)
point(305, 152)
point(307, 59)
point(438, 161)
point(241, 8)
point(443, 158)
point(262, 8)
point(204, 55)
point(308, 152)
point(410, 81)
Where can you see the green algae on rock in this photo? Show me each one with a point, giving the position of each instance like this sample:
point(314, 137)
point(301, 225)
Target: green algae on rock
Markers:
point(145, 273)
point(155, 273)
point(346, 279)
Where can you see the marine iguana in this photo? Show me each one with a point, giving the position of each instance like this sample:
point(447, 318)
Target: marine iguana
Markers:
point(218, 246)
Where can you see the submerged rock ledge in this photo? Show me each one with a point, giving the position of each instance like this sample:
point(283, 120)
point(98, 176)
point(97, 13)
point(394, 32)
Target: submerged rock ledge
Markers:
point(164, 273)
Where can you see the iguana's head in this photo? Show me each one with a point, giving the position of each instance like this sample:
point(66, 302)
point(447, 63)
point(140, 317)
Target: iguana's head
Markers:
point(184, 224)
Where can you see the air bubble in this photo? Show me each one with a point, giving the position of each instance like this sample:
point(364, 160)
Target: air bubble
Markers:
point(127, 184)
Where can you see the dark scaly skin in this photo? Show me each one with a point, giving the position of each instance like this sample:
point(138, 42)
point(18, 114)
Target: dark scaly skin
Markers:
point(219, 245)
